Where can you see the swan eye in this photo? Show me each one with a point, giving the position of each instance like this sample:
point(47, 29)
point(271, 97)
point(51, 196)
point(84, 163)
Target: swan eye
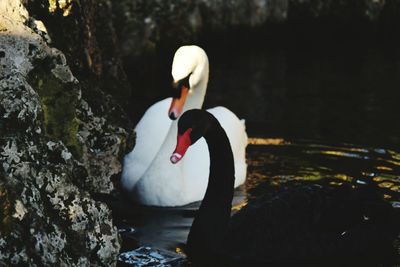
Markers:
point(177, 86)
point(185, 81)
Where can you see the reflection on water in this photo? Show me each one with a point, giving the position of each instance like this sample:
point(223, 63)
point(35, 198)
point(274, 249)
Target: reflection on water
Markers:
point(284, 161)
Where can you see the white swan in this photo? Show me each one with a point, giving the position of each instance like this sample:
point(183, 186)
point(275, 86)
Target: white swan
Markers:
point(147, 170)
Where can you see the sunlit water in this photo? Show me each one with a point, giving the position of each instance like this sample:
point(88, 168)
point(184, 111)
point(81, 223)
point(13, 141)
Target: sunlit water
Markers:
point(323, 113)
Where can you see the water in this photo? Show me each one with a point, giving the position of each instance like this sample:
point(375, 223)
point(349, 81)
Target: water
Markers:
point(274, 162)
point(319, 111)
point(277, 161)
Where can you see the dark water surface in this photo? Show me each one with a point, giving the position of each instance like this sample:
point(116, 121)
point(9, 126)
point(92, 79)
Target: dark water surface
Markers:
point(322, 111)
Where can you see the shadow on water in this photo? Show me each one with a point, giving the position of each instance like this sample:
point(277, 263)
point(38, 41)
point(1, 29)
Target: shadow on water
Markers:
point(320, 111)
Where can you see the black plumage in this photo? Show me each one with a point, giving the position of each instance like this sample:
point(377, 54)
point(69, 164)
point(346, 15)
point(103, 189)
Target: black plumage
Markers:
point(308, 225)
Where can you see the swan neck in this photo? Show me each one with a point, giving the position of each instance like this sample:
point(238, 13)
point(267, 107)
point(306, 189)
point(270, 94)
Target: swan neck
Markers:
point(221, 164)
point(199, 81)
point(196, 96)
point(211, 222)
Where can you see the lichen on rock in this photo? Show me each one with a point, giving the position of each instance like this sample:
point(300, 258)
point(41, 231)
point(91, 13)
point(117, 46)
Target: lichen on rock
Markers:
point(58, 96)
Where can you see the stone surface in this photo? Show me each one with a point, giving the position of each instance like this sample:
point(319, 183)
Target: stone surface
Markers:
point(142, 24)
point(55, 152)
point(85, 32)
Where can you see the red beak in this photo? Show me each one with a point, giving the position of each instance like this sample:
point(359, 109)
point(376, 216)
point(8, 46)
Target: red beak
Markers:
point(182, 144)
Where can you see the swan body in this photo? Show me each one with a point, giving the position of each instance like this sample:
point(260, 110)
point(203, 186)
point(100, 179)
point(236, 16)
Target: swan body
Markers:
point(147, 171)
point(310, 225)
point(148, 142)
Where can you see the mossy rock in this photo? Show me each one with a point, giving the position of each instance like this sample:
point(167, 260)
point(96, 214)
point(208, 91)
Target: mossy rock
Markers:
point(58, 101)
point(5, 210)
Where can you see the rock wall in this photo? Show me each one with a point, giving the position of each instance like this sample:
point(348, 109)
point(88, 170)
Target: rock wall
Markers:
point(85, 33)
point(55, 150)
point(142, 24)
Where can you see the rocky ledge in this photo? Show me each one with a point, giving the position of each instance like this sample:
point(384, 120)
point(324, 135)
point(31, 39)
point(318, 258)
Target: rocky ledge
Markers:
point(55, 153)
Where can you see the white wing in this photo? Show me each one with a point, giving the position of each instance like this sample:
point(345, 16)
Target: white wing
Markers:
point(196, 163)
point(151, 132)
point(236, 131)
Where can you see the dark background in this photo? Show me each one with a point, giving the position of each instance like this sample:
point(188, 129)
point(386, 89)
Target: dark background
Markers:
point(315, 79)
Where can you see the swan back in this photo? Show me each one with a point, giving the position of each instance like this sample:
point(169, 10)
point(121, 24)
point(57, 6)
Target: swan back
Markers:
point(236, 131)
point(314, 224)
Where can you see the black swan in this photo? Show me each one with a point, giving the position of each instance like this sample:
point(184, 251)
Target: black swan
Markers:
point(308, 225)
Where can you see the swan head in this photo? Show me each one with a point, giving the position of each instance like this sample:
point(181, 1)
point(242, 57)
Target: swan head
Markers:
point(190, 77)
point(192, 125)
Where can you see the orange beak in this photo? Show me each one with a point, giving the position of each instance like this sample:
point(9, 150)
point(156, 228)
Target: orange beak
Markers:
point(175, 110)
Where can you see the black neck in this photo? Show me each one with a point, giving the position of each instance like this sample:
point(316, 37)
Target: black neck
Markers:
point(211, 222)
